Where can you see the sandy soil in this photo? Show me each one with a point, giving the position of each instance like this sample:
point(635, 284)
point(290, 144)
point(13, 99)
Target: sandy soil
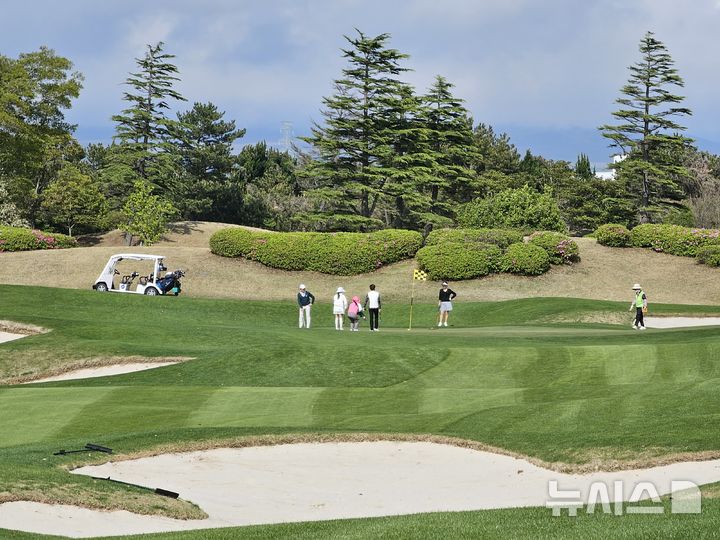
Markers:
point(102, 371)
point(7, 336)
point(680, 322)
point(310, 482)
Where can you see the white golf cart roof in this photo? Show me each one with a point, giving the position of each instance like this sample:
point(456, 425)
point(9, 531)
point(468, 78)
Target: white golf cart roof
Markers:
point(137, 256)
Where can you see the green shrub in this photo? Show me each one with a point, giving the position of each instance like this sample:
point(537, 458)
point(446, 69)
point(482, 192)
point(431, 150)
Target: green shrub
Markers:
point(232, 242)
point(329, 253)
point(523, 208)
point(21, 239)
point(455, 260)
point(613, 235)
point(709, 255)
point(288, 251)
point(526, 259)
point(560, 248)
point(500, 237)
point(673, 239)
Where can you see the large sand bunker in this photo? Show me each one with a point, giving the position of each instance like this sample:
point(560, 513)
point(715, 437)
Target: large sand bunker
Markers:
point(309, 482)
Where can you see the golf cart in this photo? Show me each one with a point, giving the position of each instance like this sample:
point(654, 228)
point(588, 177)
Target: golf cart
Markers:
point(152, 284)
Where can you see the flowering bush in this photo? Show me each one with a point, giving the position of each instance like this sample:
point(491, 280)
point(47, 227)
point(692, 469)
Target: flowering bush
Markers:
point(613, 235)
point(21, 239)
point(560, 248)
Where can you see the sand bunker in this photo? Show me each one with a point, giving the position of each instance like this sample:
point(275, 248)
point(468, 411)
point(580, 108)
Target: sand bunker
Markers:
point(7, 336)
point(11, 330)
point(680, 322)
point(103, 371)
point(310, 482)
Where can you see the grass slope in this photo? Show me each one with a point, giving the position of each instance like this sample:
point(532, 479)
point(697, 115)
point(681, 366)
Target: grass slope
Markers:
point(603, 273)
point(504, 376)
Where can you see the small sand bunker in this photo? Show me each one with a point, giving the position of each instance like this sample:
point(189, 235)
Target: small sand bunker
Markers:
point(8, 336)
point(10, 330)
point(680, 322)
point(103, 371)
point(310, 482)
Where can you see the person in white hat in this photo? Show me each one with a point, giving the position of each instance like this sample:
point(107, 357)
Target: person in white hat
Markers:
point(340, 304)
point(640, 305)
point(305, 300)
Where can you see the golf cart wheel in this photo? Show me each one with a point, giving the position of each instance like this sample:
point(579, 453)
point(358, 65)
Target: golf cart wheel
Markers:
point(101, 287)
point(151, 291)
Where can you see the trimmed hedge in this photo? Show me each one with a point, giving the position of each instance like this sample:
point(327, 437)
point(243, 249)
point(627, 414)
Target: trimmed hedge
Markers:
point(21, 239)
point(709, 255)
point(526, 259)
point(330, 253)
point(560, 248)
point(500, 237)
point(456, 260)
point(613, 235)
point(673, 239)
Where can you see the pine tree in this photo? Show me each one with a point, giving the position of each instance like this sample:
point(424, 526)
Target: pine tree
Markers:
point(355, 146)
point(583, 169)
point(143, 129)
point(648, 132)
point(451, 139)
point(204, 141)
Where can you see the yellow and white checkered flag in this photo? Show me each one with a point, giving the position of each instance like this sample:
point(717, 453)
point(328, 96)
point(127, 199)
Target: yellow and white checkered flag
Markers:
point(419, 275)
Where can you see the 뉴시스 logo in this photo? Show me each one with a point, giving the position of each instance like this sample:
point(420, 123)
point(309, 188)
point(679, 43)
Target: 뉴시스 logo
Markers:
point(685, 499)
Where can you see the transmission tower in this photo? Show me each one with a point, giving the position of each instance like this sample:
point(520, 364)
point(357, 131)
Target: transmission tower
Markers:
point(286, 130)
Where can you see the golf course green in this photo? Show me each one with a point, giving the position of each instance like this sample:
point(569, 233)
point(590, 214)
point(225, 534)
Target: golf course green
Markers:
point(518, 375)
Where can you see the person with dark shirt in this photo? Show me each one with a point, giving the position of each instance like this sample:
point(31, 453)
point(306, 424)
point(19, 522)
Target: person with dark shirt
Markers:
point(305, 300)
point(445, 303)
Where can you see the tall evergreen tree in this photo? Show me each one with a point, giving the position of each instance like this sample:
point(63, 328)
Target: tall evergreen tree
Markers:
point(204, 143)
point(495, 152)
point(583, 169)
point(648, 132)
point(355, 146)
point(143, 129)
point(451, 139)
point(412, 165)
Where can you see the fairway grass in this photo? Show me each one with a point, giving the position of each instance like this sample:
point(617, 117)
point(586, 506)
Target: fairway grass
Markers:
point(531, 377)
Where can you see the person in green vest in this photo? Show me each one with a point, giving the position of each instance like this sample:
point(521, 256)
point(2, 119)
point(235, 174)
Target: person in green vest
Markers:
point(640, 305)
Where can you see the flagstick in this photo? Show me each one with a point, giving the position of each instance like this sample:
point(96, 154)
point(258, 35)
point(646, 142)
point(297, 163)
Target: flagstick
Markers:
point(412, 296)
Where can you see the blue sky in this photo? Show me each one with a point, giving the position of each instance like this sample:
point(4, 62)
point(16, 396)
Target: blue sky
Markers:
point(546, 72)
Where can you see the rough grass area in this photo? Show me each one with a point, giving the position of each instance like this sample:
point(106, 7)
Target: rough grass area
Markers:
point(526, 376)
point(603, 274)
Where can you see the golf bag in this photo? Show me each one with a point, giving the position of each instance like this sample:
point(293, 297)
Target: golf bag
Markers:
point(170, 284)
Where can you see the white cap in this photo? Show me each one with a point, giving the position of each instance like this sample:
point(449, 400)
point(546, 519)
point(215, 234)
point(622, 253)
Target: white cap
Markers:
point(636, 287)
point(340, 289)
point(444, 283)
point(302, 286)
